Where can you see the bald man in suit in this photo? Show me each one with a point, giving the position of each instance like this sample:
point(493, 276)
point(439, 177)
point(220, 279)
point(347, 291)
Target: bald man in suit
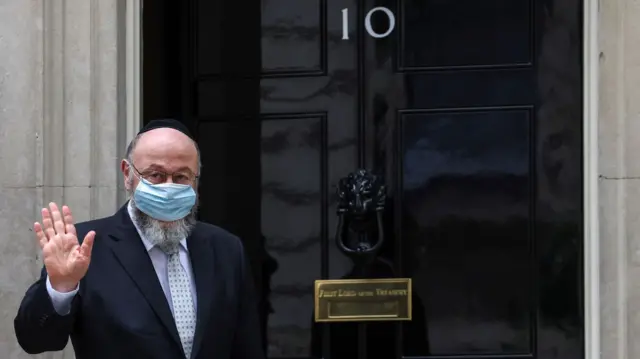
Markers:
point(149, 282)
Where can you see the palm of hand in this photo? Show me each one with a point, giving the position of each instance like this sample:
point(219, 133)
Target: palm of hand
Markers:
point(63, 258)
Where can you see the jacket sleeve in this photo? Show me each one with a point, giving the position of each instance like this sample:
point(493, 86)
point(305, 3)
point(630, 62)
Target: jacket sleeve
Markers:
point(248, 340)
point(39, 328)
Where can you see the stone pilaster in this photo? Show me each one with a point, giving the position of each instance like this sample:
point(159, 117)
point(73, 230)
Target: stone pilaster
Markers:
point(619, 170)
point(62, 128)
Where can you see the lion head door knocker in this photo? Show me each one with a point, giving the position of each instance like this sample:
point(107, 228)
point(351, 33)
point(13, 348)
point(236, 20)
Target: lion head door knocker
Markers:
point(361, 200)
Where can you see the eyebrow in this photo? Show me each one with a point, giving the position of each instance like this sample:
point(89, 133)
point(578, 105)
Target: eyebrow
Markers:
point(161, 168)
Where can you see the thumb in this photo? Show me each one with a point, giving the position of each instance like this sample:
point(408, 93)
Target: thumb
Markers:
point(87, 244)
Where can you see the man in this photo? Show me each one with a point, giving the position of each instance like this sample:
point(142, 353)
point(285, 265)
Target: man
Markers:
point(150, 281)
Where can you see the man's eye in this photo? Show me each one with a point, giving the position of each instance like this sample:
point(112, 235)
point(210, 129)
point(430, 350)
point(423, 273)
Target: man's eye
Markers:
point(156, 175)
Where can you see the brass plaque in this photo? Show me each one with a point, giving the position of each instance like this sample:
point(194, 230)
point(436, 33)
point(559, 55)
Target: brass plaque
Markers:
point(361, 300)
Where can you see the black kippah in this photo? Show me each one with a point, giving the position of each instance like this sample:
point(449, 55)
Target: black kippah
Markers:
point(166, 123)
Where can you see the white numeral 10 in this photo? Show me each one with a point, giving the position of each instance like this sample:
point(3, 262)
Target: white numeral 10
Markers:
point(367, 23)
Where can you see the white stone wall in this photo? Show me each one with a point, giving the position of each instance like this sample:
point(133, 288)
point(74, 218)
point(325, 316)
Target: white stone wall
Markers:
point(61, 129)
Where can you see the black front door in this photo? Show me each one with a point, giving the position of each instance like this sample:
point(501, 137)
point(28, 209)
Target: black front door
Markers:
point(469, 110)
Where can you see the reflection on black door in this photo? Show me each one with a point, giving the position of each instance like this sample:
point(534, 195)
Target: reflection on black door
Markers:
point(469, 110)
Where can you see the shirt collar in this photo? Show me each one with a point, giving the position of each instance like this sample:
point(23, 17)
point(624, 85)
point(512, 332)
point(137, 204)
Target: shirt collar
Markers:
point(147, 245)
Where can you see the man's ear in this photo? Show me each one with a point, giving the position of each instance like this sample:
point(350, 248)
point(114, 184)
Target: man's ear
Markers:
point(125, 168)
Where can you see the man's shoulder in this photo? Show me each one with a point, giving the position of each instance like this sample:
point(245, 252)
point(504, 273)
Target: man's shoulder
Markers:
point(218, 236)
point(96, 225)
point(219, 233)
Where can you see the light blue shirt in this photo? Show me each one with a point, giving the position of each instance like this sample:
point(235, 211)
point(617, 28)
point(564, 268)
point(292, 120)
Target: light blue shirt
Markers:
point(62, 301)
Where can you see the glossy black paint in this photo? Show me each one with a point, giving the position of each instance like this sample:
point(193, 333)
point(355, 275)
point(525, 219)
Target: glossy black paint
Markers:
point(471, 113)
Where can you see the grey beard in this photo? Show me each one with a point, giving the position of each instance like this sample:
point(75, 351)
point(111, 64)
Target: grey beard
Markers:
point(162, 233)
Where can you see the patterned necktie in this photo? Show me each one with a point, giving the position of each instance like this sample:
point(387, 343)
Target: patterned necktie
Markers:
point(183, 310)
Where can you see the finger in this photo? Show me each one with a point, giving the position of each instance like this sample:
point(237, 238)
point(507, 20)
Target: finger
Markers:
point(42, 238)
point(68, 220)
point(87, 244)
point(58, 223)
point(47, 222)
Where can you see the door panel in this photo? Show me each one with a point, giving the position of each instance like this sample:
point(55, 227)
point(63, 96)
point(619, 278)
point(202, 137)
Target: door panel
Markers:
point(474, 113)
point(297, 202)
point(471, 113)
point(307, 139)
point(436, 32)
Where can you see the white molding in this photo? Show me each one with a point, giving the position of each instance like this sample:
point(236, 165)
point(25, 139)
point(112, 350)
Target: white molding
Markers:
point(133, 68)
point(132, 79)
point(591, 209)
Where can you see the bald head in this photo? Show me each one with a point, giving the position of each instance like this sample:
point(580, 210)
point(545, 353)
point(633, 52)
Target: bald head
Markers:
point(161, 149)
point(165, 146)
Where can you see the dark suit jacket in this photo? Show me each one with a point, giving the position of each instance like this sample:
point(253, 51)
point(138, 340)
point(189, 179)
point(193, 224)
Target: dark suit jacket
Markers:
point(120, 310)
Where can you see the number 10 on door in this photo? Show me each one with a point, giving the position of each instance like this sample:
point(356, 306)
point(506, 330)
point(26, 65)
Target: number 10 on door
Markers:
point(367, 23)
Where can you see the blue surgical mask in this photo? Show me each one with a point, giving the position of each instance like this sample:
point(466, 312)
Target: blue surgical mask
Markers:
point(165, 201)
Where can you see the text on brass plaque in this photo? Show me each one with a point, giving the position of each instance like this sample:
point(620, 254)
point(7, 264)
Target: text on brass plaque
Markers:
point(358, 300)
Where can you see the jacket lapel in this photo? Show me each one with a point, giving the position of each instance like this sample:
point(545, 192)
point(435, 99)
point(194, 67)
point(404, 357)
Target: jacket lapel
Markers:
point(203, 264)
point(133, 256)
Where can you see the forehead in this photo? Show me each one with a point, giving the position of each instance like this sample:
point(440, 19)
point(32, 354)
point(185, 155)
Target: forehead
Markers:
point(166, 148)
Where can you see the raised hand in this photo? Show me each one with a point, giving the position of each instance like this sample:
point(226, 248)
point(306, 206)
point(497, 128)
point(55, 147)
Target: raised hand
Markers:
point(65, 259)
